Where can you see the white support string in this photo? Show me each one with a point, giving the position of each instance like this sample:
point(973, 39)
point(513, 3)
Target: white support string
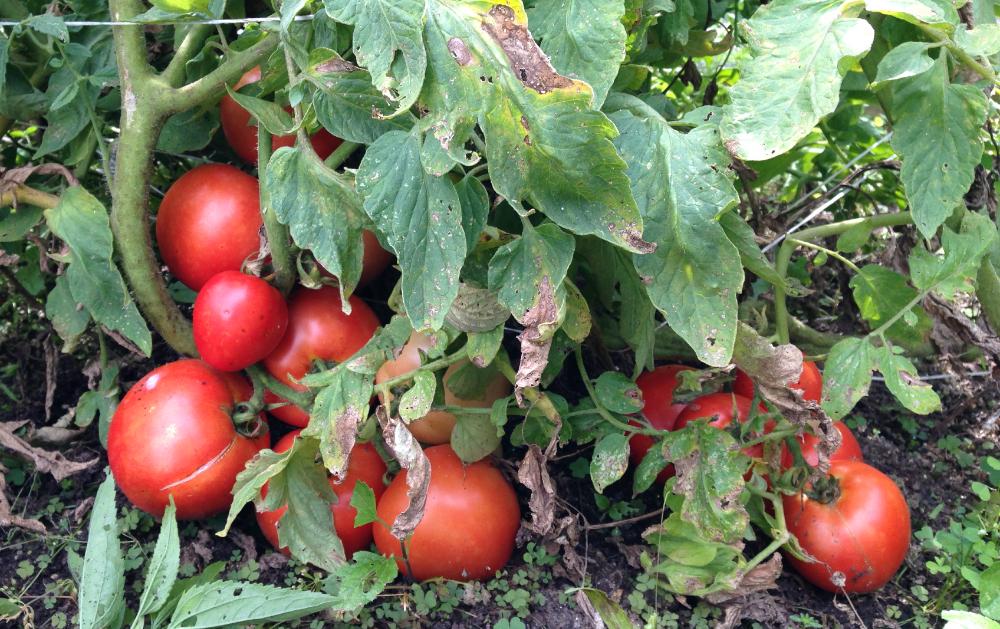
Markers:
point(236, 20)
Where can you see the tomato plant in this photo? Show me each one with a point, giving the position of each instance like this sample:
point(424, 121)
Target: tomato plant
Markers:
point(318, 330)
point(849, 449)
point(173, 435)
point(856, 525)
point(470, 520)
point(238, 320)
point(366, 466)
point(241, 132)
point(810, 383)
point(209, 221)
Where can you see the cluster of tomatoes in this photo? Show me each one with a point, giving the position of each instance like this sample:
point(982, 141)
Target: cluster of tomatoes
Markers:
point(187, 428)
point(855, 523)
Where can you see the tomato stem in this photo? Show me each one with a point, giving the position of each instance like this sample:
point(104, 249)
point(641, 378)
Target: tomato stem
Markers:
point(277, 234)
point(434, 365)
point(340, 154)
point(302, 399)
point(603, 412)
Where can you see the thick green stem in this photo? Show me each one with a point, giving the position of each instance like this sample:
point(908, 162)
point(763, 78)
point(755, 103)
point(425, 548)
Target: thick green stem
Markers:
point(815, 233)
point(988, 292)
point(174, 74)
point(340, 154)
point(28, 196)
point(277, 234)
point(302, 399)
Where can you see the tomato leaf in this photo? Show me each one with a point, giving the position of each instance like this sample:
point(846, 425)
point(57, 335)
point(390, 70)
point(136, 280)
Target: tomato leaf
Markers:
point(482, 347)
point(937, 134)
point(880, 293)
point(617, 393)
point(916, 11)
point(411, 457)
point(322, 211)
point(611, 613)
point(799, 52)
point(544, 142)
point(419, 217)
point(528, 276)
point(66, 317)
point(695, 274)
point(610, 460)
point(234, 603)
point(693, 564)
point(264, 466)
point(102, 583)
point(955, 271)
point(94, 281)
point(577, 323)
point(710, 472)
point(359, 582)
point(388, 41)
point(417, 400)
point(847, 374)
point(743, 237)
point(649, 468)
point(474, 437)
point(981, 41)
point(162, 572)
point(363, 501)
point(901, 379)
point(340, 407)
point(583, 39)
point(270, 115)
point(905, 60)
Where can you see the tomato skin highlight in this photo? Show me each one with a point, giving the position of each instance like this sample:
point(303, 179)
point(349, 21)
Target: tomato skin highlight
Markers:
point(810, 383)
point(659, 409)
point(172, 434)
point(238, 320)
point(436, 427)
point(849, 450)
point(317, 330)
point(864, 533)
point(364, 465)
point(470, 520)
point(242, 136)
point(209, 222)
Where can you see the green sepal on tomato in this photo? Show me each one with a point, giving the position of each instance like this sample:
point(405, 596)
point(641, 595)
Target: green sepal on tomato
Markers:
point(318, 330)
point(173, 435)
point(855, 524)
point(238, 320)
point(241, 133)
point(365, 465)
point(470, 521)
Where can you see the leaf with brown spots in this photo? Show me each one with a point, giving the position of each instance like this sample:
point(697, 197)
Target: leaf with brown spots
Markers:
point(411, 457)
point(533, 474)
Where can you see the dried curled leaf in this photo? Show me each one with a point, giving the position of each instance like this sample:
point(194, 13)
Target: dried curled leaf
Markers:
point(44, 460)
point(411, 457)
point(536, 339)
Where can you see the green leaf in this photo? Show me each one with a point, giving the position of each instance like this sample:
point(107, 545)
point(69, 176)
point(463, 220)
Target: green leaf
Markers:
point(102, 584)
point(693, 564)
point(339, 408)
point(954, 272)
point(610, 460)
point(419, 217)
point(48, 24)
point(710, 472)
point(482, 347)
point(611, 613)
point(68, 319)
point(235, 603)
point(163, 567)
point(322, 211)
point(681, 184)
point(584, 39)
point(989, 591)
point(901, 379)
point(847, 374)
point(905, 60)
point(15, 223)
point(474, 437)
point(743, 237)
point(648, 469)
point(347, 104)
point(363, 501)
point(618, 393)
point(188, 131)
point(800, 51)
point(475, 209)
point(578, 322)
point(419, 398)
point(82, 223)
point(251, 479)
point(967, 620)
point(854, 238)
point(981, 41)
point(270, 115)
point(358, 583)
point(4, 56)
point(675, 25)
point(544, 142)
point(916, 11)
point(937, 134)
point(880, 293)
point(9, 608)
point(388, 42)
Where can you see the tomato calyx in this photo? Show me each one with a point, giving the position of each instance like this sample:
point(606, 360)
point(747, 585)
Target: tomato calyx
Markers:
point(825, 491)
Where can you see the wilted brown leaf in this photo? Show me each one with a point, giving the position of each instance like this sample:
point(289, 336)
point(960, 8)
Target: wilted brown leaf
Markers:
point(45, 461)
point(534, 474)
point(411, 457)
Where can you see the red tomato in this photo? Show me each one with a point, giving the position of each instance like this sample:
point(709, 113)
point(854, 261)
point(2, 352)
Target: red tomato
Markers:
point(862, 533)
point(238, 320)
point(209, 222)
point(849, 450)
point(173, 434)
point(317, 330)
point(719, 408)
point(657, 388)
point(469, 524)
point(435, 427)
point(810, 383)
point(375, 259)
point(365, 465)
point(242, 134)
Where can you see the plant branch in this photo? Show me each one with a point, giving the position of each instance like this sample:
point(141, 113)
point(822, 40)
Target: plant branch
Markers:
point(965, 58)
point(277, 234)
point(173, 74)
point(434, 365)
point(302, 399)
point(340, 154)
point(632, 520)
point(28, 196)
point(603, 412)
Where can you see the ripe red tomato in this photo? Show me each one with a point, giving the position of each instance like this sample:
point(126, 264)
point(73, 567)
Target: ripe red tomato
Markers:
point(863, 531)
point(849, 450)
point(657, 388)
point(317, 330)
point(436, 427)
point(209, 222)
point(173, 434)
point(719, 408)
point(469, 524)
point(365, 465)
point(238, 320)
point(242, 134)
point(810, 383)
